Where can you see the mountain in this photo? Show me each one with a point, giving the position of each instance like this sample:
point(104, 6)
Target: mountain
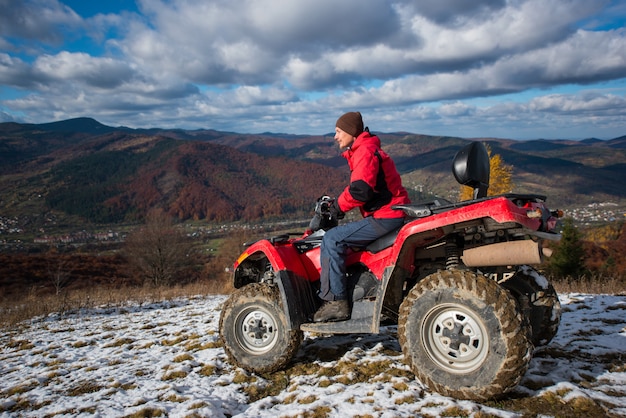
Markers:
point(83, 125)
point(99, 173)
point(121, 174)
point(617, 142)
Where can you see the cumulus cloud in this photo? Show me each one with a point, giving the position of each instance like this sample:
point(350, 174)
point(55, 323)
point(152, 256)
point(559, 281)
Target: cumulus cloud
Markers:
point(439, 11)
point(587, 102)
point(15, 72)
point(285, 65)
point(39, 20)
point(82, 68)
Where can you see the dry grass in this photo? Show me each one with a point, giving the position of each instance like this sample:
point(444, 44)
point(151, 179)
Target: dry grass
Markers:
point(31, 306)
point(592, 285)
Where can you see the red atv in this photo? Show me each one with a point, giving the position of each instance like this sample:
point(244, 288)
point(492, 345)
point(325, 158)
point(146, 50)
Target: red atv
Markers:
point(455, 279)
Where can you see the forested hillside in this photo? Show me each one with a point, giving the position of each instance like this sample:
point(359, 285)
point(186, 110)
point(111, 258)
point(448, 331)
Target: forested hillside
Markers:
point(104, 174)
point(121, 176)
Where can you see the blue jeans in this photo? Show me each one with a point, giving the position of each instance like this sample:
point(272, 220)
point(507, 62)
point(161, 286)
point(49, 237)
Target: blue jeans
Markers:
point(335, 245)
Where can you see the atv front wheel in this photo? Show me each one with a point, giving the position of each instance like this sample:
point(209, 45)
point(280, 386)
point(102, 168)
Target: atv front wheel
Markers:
point(540, 303)
point(254, 329)
point(463, 335)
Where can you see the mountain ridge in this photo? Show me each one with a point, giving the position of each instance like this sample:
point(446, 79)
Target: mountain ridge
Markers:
point(108, 174)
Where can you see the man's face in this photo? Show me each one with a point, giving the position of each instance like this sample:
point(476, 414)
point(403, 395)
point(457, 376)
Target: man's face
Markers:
point(343, 139)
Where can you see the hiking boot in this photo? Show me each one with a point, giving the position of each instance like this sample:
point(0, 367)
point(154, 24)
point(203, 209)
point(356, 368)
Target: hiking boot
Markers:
point(331, 311)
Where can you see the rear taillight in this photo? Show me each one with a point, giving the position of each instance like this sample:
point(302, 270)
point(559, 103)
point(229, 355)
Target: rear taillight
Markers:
point(557, 213)
point(548, 217)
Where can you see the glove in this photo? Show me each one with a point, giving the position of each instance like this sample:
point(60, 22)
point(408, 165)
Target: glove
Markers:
point(316, 223)
point(323, 218)
point(335, 210)
point(322, 205)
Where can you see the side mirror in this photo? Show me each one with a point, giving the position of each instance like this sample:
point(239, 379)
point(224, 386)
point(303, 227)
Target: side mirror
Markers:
point(471, 168)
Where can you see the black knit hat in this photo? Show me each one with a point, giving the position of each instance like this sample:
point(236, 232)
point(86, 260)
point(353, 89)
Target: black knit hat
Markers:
point(351, 122)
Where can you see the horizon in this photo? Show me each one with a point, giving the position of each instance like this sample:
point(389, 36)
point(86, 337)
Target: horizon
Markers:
point(520, 70)
point(330, 133)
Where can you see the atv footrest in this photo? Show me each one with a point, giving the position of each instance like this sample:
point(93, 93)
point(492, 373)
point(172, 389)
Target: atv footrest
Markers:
point(362, 320)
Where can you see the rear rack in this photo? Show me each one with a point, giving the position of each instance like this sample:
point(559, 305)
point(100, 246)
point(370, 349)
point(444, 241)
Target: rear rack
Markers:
point(429, 207)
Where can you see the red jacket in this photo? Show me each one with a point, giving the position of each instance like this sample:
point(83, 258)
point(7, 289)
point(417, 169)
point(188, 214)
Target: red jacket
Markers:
point(375, 183)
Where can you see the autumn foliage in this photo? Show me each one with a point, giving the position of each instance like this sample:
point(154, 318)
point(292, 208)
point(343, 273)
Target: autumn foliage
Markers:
point(604, 250)
point(191, 181)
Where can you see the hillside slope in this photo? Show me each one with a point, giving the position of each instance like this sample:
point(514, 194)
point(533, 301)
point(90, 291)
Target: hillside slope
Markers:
point(122, 175)
point(103, 174)
point(570, 173)
point(165, 359)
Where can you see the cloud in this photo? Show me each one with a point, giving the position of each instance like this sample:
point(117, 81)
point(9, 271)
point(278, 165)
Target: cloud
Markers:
point(38, 20)
point(285, 65)
point(5, 117)
point(97, 72)
point(15, 72)
point(586, 57)
point(247, 42)
point(255, 95)
point(439, 11)
point(589, 102)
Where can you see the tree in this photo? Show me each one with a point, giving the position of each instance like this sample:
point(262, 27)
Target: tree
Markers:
point(159, 251)
point(567, 260)
point(500, 178)
point(219, 269)
point(59, 271)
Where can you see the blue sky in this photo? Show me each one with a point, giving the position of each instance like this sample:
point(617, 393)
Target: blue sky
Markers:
point(519, 69)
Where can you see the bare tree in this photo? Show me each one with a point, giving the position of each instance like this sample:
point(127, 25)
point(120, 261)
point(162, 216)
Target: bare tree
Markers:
point(218, 269)
point(159, 251)
point(59, 271)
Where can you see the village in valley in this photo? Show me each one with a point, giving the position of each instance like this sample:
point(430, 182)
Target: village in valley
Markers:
point(15, 233)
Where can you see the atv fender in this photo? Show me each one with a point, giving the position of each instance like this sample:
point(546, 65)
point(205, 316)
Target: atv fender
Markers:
point(299, 299)
point(281, 257)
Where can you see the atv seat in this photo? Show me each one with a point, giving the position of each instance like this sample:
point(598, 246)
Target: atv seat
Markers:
point(416, 210)
point(383, 242)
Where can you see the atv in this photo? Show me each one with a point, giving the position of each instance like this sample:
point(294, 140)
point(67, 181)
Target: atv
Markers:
point(456, 279)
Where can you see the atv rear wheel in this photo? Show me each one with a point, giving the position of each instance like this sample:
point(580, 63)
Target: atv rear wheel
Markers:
point(541, 303)
point(463, 335)
point(254, 329)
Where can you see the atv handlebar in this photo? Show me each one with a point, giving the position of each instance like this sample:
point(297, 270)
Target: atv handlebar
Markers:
point(323, 217)
point(322, 207)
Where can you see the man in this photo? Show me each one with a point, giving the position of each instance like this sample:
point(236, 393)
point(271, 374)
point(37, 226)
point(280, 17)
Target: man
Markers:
point(375, 186)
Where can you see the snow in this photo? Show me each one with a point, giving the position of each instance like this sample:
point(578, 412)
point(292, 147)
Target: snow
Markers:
point(166, 357)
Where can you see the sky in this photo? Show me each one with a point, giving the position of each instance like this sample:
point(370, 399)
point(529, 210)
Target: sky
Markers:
point(521, 69)
point(165, 356)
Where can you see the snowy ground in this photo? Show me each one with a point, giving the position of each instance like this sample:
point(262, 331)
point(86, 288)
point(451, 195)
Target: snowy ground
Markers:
point(165, 359)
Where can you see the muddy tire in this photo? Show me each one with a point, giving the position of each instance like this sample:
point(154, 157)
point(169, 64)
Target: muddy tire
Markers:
point(539, 303)
point(254, 329)
point(463, 336)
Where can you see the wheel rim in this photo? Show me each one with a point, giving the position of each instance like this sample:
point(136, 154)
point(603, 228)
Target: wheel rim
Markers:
point(256, 330)
point(455, 338)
